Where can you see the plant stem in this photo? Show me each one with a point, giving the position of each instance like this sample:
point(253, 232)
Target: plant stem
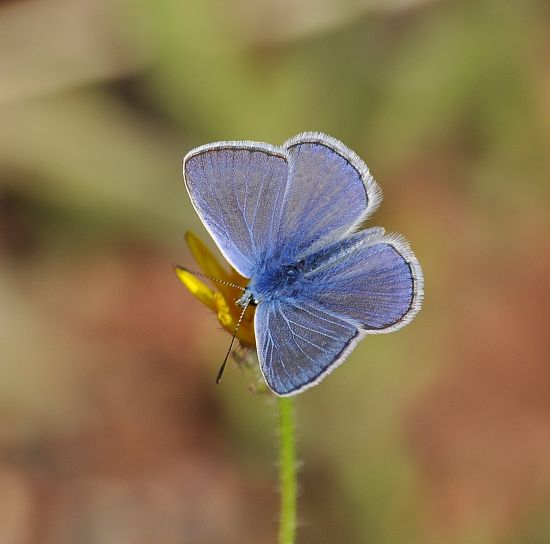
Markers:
point(287, 471)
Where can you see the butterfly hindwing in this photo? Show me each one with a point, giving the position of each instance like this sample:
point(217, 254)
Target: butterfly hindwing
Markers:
point(378, 283)
point(298, 343)
point(368, 283)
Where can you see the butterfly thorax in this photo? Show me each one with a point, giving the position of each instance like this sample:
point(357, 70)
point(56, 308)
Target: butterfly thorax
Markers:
point(275, 281)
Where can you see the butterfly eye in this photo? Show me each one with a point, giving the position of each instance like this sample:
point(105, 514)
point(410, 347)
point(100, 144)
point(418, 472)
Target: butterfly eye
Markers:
point(290, 270)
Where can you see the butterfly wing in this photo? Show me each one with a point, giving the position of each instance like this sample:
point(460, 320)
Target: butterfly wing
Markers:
point(330, 192)
point(298, 343)
point(375, 286)
point(378, 283)
point(237, 189)
point(263, 202)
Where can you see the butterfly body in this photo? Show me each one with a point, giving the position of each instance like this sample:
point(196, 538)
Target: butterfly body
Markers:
point(289, 218)
point(276, 279)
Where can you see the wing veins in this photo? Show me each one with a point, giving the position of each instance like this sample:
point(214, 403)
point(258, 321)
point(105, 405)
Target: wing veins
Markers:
point(278, 353)
point(294, 338)
point(216, 199)
point(234, 179)
point(316, 331)
point(326, 313)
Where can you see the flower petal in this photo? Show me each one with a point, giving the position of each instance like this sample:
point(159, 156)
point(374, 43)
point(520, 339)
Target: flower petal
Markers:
point(210, 265)
point(228, 316)
point(224, 313)
point(204, 257)
point(246, 335)
point(197, 288)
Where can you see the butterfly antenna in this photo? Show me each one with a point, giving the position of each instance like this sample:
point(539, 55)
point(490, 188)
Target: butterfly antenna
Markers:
point(222, 368)
point(216, 280)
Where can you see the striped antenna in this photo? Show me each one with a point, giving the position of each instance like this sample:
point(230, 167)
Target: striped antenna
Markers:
point(215, 280)
point(222, 368)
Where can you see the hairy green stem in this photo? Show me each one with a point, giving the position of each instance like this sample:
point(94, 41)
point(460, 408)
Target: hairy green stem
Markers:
point(287, 471)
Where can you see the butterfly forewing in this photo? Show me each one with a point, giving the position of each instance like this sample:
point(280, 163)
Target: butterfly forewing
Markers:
point(237, 189)
point(330, 190)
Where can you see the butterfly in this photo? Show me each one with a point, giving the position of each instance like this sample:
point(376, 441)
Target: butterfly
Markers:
point(290, 219)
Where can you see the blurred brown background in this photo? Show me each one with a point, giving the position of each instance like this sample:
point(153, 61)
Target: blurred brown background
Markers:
point(111, 430)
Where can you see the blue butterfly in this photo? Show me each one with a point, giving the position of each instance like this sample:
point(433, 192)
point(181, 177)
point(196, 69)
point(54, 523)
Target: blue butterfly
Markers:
point(290, 219)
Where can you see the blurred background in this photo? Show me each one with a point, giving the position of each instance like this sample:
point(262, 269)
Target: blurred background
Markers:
point(111, 428)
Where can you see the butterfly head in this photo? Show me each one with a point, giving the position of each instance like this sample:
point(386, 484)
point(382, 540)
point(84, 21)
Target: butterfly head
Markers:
point(247, 299)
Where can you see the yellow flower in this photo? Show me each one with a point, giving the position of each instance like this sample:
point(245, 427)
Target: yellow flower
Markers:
point(222, 299)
